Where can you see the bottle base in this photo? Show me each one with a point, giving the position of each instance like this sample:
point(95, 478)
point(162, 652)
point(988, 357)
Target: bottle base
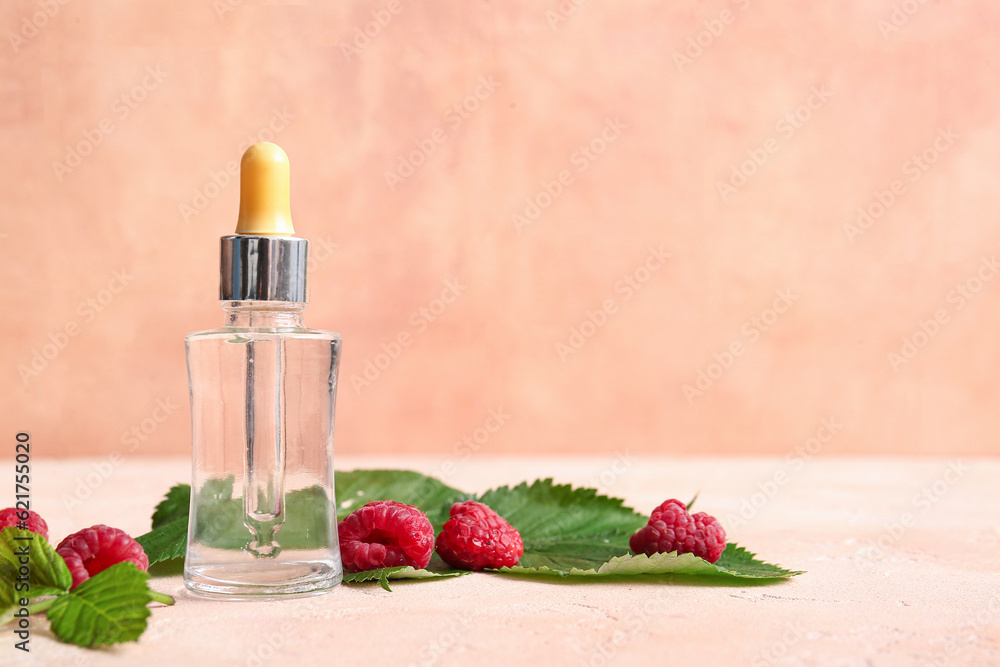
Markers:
point(250, 582)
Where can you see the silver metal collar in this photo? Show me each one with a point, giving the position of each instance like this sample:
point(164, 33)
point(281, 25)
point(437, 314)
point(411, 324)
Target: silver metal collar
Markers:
point(263, 268)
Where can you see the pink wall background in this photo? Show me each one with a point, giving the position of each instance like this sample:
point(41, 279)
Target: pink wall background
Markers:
point(118, 121)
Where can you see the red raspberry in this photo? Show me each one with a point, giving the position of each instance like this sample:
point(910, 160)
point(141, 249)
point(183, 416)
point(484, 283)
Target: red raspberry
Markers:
point(476, 537)
point(97, 548)
point(671, 528)
point(36, 524)
point(385, 533)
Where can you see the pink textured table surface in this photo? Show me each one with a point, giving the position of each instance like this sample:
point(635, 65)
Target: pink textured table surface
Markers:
point(902, 560)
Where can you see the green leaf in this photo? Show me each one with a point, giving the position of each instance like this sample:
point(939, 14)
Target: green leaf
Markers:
point(577, 532)
point(358, 487)
point(382, 575)
point(566, 531)
point(673, 563)
point(307, 524)
point(691, 502)
point(218, 489)
point(108, 608)
point(175, 505)
point(220, 516)
point(220, 520)
point(309, 521)
point(48, 574)
point(166, 541)
point(739, 562)
point(563, 528)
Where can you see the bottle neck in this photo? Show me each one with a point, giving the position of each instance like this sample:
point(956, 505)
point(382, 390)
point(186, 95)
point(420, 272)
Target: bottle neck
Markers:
point(263, 314)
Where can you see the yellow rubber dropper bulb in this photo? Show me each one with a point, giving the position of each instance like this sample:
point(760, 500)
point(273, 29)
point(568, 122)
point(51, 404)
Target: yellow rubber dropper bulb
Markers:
point(264, 191)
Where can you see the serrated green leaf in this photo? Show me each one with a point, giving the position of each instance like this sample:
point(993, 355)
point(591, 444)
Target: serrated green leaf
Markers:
point(108, 608)
point(307, 524)
point(218, 489)
point(175, 505)
point(566, 531)
point(309, 521)
point(220, 516)
point(48, 574)
point(670, 563)
point(166, 542)
point(739, 562)
point(577, 532)
point(692, 501)
point(564, 528)
point(355, 488)
point(220, 519)
point(382, 575)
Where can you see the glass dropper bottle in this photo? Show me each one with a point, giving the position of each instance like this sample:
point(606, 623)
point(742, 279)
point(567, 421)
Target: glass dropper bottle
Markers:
point(263, 518)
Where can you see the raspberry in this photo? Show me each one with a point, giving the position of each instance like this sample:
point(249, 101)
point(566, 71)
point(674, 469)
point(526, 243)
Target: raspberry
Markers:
point(672, 528)
point(36, 524)
point(476, 537)
point(385, 533)
point(97, 548)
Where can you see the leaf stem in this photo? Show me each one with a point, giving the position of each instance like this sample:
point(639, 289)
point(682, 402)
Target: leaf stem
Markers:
point(41, 606)
point(691, 504)
point(32, 609)
point(162, 598)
